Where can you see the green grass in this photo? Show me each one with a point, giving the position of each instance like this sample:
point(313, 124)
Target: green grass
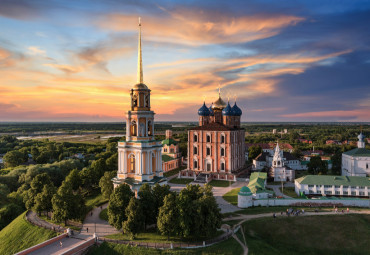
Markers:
point(228, 247)
point(104, 214)
point(174, 171)
point(152, 236)
point(220, 183)
point(180, 181)
point(94, 201)
point(232, 196)
point(20, 235)
point(329, 234)
point(289, 191)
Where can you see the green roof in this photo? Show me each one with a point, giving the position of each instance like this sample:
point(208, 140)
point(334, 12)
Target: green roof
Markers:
point(166, 158)
point(245, 191)
point(358, 152)
point(257, 181)
point(169, 141)
point(334, 180)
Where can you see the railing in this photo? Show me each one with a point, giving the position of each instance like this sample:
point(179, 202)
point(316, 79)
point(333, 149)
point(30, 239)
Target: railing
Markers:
point(42, 225)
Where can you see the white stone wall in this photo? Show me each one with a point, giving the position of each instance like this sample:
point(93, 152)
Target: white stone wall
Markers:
point(305, 202)
point(333, 190)
point(355, 166)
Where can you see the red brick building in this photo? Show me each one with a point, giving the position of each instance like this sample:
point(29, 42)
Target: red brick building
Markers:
point(216, 147)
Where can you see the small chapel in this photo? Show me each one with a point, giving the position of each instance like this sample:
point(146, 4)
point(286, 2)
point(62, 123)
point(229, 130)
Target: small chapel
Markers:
point(140, 155)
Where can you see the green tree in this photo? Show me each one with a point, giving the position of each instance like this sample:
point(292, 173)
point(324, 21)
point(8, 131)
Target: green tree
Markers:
point(159, 193)
point(112, 162)
point(253, 152)
point(67, 204)
point(43, 199)
point(117, 205)
point(148, 203)
point(37, 185)
point(13, 158)
point(336, 160)
point(135, 218)
point(74, 178)
point(317, 166)
point(168, 217)
point(106, 184)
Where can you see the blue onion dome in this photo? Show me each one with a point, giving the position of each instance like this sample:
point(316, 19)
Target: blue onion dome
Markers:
point(236, 111)
point(203, 111)
point(227, 111)
point(211, 112)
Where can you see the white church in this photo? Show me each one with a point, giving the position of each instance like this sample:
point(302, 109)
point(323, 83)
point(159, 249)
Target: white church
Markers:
point(356, 162)
point(279, 170)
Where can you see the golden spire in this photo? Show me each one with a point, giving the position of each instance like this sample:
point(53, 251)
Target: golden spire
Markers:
point(139, 58)
point(219, 90)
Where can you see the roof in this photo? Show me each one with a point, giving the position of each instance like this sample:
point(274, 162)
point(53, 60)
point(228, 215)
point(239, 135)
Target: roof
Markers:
point(214, 126)
point(288, 156)
point(245, 191)
point(169, 141)
point(166, 158)
point(358, 152)
point(257, 181)
point(334, 180)
point(262, 156)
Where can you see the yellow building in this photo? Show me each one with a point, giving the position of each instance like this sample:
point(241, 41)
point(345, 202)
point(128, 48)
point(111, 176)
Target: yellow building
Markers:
point(140, 156)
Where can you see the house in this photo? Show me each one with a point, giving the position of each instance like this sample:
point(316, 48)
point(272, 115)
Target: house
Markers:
point(356, 162)
point(257, 185)
point(171, 155)
point(329, 185)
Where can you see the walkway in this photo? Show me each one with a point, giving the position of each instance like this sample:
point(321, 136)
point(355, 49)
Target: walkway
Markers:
point(94, 224)
point(33, 218)
point(277, 191)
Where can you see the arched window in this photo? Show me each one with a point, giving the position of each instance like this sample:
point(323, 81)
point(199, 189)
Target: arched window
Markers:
point(195, 138)
point(195, 163)
point(222, 152)
point(208, 151)
point(150, 128)
point(222, 138)
point(133, 128)
point(222, 166)
point(195, 150)
point(208, 138)
point(132, 164)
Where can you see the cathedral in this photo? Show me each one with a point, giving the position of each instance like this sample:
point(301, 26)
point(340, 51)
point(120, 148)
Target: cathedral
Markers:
point(216, 146)
point(140, 156)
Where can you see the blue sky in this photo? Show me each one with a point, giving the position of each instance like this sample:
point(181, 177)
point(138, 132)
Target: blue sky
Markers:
point(282, 60)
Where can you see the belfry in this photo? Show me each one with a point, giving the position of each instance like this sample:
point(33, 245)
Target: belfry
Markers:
point(140, 156)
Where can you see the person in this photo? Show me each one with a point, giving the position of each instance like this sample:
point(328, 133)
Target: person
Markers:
point(342, 211)
point(274, 215)
point(61, 244)
point(281, 213)
point(91, 213)
point(87, 230)
point(101, 207)
point(302, 211)
point(347, 210)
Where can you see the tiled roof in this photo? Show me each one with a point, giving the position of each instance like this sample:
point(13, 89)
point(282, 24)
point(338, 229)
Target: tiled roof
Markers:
point(257, 181)
point(166, 158)
point(358, 152)
point(334, 180)
point(214, 126)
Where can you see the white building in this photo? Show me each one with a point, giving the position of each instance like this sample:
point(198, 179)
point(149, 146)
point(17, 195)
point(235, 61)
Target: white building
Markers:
point(328, 185)
point(279, 170)
point(356, 162)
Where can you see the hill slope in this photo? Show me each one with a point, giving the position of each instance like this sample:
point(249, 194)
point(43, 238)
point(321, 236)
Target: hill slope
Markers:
point(20, 235)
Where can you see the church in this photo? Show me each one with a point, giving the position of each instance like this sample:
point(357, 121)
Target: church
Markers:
point(216, 146)
point(140, 155)
point(356, 162)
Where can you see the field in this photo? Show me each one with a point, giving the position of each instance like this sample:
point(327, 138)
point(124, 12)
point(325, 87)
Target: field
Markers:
point(332, 234)
point(20, 235)
point(181, 181)
point(220, 183)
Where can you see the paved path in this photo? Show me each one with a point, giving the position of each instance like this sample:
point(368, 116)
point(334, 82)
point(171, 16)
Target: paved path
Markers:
point(277, 191)
point(93, 223)
point(67, 243)
point(33, 218)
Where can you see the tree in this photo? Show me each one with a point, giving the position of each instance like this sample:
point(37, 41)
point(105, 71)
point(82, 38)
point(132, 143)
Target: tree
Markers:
point(37, 185)
point(148, 203)
point(118, 202)
point(112, 162)
point(317, 166)
point(106, 184)
point(253, 152)
point(67, 204)
point(13, 158)
point(167, 221)
point(43, 199)
point(135, 218)
point(159, 193)
point(336, 160)
point(297, 153)
point(74, 178)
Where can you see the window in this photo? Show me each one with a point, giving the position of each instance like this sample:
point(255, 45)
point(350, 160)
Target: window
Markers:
point(195, 150)
point(345, 187)
point(353, 193)
point(132, 164)
point(328, 192)
point(195, 164)
point(327, 186)
point(208, 167)
point(172, 150)
point(367, 166)
point(222, 139)
point(208, 151)
point(337, 187)
point(345, 192)
point(361, 193)
point(222, 166)
point(311, 191)
point(222, 152)
point(311, 186)
point(337, 193)
point(361, 187)
point(208, 138)
point(195, 138)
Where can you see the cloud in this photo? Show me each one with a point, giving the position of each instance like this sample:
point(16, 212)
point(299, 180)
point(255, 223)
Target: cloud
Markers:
point(359, 114)
point(197, 27)
point(35, 50)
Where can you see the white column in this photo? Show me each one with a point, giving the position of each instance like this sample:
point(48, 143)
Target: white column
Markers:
point(141, 162)
point(151, 163)
point(124, 162)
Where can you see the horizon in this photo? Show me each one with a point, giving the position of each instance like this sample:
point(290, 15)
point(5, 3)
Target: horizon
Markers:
point(286, 61)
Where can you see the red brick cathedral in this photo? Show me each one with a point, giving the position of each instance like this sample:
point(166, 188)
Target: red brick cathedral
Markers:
point(216, 147)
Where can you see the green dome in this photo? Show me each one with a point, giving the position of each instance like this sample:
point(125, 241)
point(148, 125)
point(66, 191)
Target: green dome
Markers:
point(245, 191)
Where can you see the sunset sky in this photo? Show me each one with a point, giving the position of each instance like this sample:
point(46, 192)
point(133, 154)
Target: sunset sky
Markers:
point(282, 60)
